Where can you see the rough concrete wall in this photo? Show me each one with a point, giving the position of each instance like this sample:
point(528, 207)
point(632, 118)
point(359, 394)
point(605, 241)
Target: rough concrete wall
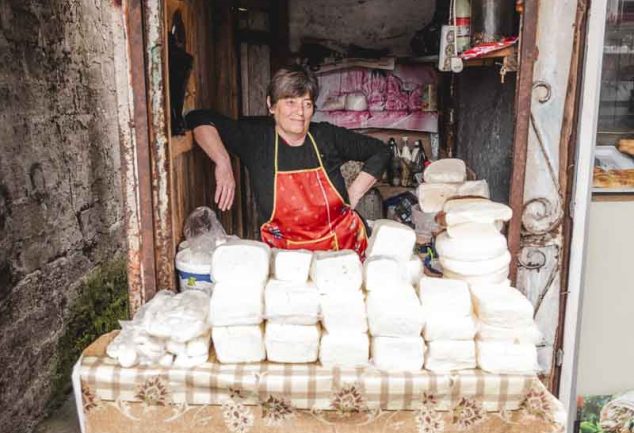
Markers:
point(60, 204)
point(484, 137)
point(367, 23)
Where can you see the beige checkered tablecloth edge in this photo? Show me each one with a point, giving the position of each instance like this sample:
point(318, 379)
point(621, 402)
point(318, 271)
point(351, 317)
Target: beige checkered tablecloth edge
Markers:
point(306, 386)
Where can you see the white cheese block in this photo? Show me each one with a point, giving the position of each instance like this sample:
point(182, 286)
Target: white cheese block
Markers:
point(198, 346)
point(448, 170)
point(498, 277)
point(291, 302)
point(344, 312)
point(504, 307)
point(392, 239)
point(238, 344)
point(445, 296)
point(241, 261)
point(292, 265)
point(475, 210)
point(184, 361)
point(237, 304)
point(291, 343)
point(444, 356)
point(471, 248)
point(336, 271)
point(383, 273)
point(432, 196)
point(345, 349)
point(441, 326)
point(525, 334)
point(395, 314)
point(501, 357)
point(479, 267)
point(398, 353)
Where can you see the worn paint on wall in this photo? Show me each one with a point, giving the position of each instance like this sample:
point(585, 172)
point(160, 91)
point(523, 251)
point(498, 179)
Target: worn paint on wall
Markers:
point(366, 23)
point(60, 191)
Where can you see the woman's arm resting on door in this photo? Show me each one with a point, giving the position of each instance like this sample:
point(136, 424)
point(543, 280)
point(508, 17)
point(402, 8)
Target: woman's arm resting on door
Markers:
point(359, 187)
point(209, 140)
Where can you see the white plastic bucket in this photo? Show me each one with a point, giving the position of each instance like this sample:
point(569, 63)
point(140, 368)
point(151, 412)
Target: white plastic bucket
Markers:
point(193, 276)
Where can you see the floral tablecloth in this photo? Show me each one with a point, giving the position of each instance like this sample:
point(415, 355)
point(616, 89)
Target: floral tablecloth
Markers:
point(272, 397)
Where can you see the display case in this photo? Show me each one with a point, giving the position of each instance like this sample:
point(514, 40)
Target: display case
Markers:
point(614, 153)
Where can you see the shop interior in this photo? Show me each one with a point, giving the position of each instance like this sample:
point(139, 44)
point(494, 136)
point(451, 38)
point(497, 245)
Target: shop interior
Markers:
point(222, 56)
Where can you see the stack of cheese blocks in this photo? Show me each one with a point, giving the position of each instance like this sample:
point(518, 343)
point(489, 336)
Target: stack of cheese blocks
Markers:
point(292, 309)
point(472, 248)
point(445, 179)
point(168, 330)
point(507, 334)
point(240, 269)
point(450, 326)
point(338, 276)
point(395, 314)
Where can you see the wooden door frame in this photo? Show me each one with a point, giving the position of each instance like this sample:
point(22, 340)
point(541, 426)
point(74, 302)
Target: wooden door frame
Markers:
point(581, 199)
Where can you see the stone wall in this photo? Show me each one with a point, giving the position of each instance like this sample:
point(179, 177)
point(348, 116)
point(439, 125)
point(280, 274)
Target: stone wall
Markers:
point(61, 216)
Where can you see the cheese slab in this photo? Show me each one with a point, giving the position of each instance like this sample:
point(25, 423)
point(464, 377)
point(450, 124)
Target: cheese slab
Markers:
point(291, 265)
point(291, 302)
point(447, 170)
point(392, 239)
point(234, 304)
point(241, 261)
point(291, 343)
point(383, 272)
point(238, 344)
point(336, 271)
point(395, 314)
point(398, 353)
point(344, 349)
point(444, 356)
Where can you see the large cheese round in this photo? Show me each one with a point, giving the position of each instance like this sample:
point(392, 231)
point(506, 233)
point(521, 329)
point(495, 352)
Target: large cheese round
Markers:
point(479, 210)
point(480, 267)
point(449, 170)
point(471, 248)
point(498, 277)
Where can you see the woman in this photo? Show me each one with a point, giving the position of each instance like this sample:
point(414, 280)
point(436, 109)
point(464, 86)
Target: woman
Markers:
point(294, 165)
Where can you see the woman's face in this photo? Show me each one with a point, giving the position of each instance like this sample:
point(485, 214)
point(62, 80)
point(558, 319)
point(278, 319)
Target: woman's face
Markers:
point(293, 115)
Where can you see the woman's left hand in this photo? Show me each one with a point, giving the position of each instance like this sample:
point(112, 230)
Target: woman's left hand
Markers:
point(359, 187)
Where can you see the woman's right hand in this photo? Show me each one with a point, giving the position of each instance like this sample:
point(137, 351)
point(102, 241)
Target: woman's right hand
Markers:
point(209, 140)
point(225, 185)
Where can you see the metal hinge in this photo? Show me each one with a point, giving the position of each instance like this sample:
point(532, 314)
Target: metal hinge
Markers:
point(572, 208)
point(559, 357)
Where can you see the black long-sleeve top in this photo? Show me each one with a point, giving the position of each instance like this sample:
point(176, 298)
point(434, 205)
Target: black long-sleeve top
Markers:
point(253, 141)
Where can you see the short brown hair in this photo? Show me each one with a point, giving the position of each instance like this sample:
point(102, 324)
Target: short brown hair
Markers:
point(291, 82)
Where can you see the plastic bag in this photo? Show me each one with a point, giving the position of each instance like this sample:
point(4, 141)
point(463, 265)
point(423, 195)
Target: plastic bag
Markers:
point(203, 231)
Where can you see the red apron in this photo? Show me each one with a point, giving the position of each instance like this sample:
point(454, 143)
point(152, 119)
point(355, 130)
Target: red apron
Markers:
point(308, 212)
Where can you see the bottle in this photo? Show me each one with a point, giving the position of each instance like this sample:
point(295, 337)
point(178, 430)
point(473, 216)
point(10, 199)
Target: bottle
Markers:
point(395, 163)
point(462, 18)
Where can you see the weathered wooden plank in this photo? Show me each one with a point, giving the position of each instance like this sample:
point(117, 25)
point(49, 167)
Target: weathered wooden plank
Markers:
point(137, 170)
point(542, 206)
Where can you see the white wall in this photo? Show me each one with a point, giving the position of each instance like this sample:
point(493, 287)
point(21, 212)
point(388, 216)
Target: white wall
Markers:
point(606, 344)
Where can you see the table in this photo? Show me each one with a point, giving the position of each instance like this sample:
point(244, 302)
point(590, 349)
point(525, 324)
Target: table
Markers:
point(271, 397)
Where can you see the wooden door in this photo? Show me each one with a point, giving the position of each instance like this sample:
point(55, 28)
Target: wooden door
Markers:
point(547, 96)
